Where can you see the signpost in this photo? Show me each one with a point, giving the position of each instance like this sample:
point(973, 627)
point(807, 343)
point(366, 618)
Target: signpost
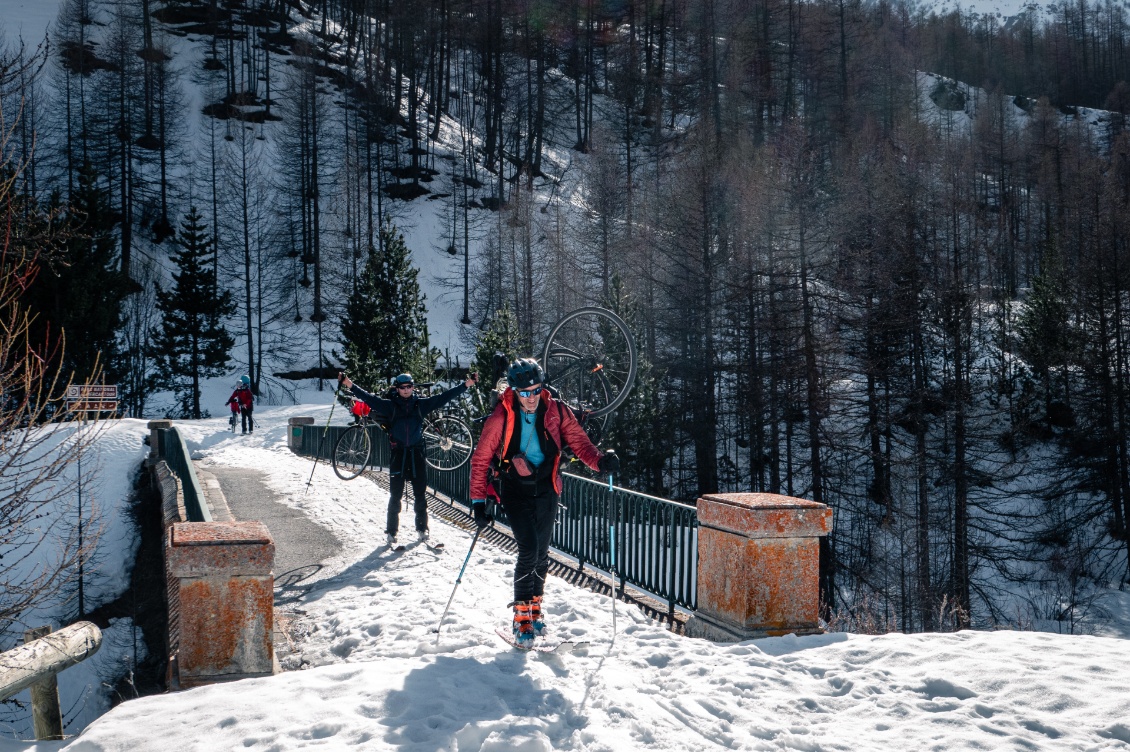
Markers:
point(92, 398)
point(83, 399)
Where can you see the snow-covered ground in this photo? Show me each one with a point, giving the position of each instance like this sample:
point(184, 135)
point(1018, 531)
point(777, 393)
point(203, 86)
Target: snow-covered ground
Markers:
point(367, 672)
point(108, 470)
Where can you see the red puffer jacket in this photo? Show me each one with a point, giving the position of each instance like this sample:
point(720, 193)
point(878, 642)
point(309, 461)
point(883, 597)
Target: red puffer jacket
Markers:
point(560, 425)
point(242, 396)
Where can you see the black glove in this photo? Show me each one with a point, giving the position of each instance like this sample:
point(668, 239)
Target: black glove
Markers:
point(482, 516)
point(609, 463)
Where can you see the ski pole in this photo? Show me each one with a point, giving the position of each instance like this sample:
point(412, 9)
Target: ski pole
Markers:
point(612, 550)
point(458, 579)
point(322, 441)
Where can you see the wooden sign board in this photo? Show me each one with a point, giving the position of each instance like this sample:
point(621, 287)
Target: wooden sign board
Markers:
point(97, 392)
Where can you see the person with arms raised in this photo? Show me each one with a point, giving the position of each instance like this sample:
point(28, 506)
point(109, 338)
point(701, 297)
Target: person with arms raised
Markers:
point(404, 413)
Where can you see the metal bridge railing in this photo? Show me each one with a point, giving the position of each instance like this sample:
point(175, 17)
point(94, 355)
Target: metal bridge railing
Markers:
point(656, 539)
point(175, 453)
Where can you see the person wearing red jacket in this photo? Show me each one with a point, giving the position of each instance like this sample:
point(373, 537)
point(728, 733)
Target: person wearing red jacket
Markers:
point(244, 400)
point(521, 443)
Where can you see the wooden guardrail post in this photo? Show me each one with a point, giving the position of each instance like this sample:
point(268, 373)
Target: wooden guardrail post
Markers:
point(758, 566)
point(47, 718)
point(34, 665)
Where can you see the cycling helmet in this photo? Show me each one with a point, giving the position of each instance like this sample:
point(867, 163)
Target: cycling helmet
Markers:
point(403, 379)
point(245, 380)
point(524, 372)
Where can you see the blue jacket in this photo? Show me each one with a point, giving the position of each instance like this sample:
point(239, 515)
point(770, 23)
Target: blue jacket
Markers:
point(405, 417)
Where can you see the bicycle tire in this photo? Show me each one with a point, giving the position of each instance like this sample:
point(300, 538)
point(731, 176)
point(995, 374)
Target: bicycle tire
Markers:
point(351, 452)
point(447, 442)
point(592, 423)
point(577, 336)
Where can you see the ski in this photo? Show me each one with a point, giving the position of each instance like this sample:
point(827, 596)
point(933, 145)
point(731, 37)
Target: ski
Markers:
point(539, 644)
point(434, 546)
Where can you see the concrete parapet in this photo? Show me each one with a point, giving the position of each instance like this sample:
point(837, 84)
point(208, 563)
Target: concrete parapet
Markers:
point(294, 429)
point(758, 566)
point(221, 601)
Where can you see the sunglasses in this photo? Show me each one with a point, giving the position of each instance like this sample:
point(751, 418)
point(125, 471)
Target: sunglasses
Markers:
point(405, 386)
point(530, 392)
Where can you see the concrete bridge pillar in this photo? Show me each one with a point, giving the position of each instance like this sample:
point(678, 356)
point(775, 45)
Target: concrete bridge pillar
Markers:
point(758, 566)
point(155, 427)
point(294, 429)
point(221, 601)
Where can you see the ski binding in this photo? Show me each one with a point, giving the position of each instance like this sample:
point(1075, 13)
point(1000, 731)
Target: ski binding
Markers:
point(539, 645)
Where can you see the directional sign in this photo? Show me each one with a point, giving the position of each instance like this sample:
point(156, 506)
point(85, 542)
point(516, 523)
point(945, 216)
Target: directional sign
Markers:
point(92, 406)
point(92, 392)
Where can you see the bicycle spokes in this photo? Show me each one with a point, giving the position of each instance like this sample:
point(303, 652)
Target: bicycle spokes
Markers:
point(590, 359)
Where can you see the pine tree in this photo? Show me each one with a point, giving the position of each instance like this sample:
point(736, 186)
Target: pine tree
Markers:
point(191, 343)
point(81, 288)
point(637, 429)
point(1044, 331)
point(497, 345)
point(385, 327)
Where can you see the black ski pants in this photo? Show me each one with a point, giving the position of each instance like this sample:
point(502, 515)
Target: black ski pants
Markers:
point(248, 421)
point(407, 464)
point(532, 510)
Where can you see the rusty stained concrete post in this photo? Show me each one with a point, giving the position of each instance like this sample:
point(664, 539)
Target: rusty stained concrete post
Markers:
point(221, 600)
point(758, 566)
point(294, 429)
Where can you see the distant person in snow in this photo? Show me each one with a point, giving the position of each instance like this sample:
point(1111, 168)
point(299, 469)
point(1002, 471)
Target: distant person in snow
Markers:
point(404, 415)
point(520, 447)
point(243, 400)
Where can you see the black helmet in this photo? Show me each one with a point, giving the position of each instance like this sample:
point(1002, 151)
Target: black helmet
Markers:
point(524, 372)
point(402, 379)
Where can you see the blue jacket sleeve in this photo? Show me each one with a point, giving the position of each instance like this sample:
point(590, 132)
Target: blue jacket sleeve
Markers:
point(382, 407)
point(436, 401)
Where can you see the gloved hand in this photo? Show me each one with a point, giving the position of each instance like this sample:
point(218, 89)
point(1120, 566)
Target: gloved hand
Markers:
point(482, 517)
point(609, 463)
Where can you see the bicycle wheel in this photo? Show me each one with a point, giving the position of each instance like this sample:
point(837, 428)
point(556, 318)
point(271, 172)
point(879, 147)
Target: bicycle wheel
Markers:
point(447, 442)
point(597, 392)
point(351, 452)
point(590, 358)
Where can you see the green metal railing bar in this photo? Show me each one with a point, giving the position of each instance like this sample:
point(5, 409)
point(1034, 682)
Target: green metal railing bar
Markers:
point(175, 452)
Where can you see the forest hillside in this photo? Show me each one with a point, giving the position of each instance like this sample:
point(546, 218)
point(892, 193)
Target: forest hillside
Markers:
point(873, 254)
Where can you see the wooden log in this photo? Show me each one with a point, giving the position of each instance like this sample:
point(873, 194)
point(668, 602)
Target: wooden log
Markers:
point(25, 665)
point(46, 716)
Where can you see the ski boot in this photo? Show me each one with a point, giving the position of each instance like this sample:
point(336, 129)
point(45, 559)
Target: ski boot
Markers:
point(523, 624)
point(535, 614)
